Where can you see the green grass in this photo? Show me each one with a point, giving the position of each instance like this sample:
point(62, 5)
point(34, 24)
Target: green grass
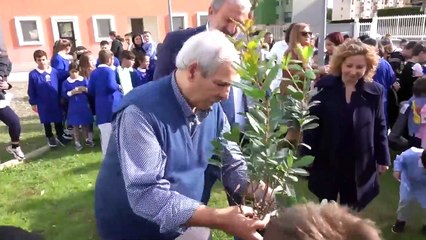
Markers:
point(54, 194)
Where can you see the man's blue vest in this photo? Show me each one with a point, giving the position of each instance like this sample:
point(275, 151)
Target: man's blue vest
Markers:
point(187, 159)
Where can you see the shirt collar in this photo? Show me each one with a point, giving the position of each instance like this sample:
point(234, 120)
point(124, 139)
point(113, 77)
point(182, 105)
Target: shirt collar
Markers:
point(48, 70)
point(103, 65)
point(70, 80)
point(187, 111)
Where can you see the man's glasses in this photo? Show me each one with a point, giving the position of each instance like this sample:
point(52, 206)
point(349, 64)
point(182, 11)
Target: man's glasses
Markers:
point(305, 34)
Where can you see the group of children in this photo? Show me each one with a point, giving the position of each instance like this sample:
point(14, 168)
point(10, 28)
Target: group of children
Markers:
point(79, 90)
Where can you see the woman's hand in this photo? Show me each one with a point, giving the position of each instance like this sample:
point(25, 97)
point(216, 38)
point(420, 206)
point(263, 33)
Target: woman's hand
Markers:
point(3, 84)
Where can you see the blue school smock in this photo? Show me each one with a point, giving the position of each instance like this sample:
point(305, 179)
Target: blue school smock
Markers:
point(79, 112)
point(43, 91)
point(104, 88)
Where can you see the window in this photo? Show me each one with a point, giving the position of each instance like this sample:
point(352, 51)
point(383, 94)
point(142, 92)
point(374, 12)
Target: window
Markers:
point(287, 2)
point(202, 18)
point(66, 27)
point(287, 17)
point(180, 21)
point(29, 31)
point(102, 25)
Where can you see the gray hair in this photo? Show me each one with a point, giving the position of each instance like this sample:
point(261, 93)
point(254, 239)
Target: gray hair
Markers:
point(208, 50)
point(217, 4)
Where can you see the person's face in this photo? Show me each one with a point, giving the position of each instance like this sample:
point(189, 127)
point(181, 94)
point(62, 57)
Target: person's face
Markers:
point(145, 63)
point(74, 74)
point(422, 57)
point(92, 60)
point(105, 47)
point(146, 37)
point(128, 39)
point(329, 46)
point(402, 45)
point(127, 63)
point(407, 53)
point(42, 62)
point(269, 38)
point(138, 40)
point(305, 36)
point(215, 87)
point(354, 68)
point(221, 19)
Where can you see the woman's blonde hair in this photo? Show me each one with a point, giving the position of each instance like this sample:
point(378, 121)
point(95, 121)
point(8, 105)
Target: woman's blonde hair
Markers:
point(353, 48)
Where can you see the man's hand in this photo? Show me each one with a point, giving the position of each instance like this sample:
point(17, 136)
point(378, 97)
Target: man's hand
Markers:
point(382, 168)
point(241, 225)
point(260, 192)
point(397, 175)
point(230, 220)
point(396, 86)
point(34, 107)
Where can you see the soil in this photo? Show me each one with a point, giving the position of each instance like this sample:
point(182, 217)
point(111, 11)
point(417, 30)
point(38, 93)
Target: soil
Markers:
point(20, 100)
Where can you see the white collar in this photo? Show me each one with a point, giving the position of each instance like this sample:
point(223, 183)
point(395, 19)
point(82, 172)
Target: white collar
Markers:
point(120, 68)
point(48, 70)
point(141, 70)
point(70, 80)
point(103, 65)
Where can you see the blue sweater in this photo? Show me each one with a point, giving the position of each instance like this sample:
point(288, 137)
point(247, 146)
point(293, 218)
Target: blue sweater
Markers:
point(187, 158)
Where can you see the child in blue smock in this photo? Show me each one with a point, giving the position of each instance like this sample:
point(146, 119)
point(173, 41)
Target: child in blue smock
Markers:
point(142, 67)
point(409, 169)
point(44, 97)
point(103, 87)
point(74, 89)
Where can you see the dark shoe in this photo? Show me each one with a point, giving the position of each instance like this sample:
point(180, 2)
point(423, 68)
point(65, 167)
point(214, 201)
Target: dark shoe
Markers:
point(424, 230)
point(52, 142)
point(90, 143)
point(398, 227)
point(62, 141)
point(67, 136)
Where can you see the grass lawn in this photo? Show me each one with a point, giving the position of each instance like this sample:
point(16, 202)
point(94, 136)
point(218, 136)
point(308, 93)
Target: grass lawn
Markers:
point(54, 194)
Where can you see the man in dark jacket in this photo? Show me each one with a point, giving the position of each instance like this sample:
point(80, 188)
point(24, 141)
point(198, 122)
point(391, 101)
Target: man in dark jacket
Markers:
point(116, 45)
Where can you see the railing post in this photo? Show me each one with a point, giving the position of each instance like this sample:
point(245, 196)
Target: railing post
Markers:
point(423, 26)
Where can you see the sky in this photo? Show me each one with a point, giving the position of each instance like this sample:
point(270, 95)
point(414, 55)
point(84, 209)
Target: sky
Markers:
point(330, 4)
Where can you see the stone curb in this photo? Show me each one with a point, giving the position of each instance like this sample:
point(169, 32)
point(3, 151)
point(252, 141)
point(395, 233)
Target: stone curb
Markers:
point(28, 158)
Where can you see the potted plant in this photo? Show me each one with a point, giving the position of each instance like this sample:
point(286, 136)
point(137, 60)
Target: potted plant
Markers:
point(271, 158)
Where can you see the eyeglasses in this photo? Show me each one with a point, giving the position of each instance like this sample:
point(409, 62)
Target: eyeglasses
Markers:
point(305, 34)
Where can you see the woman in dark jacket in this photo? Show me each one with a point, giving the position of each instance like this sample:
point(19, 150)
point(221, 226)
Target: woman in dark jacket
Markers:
point(350, 144)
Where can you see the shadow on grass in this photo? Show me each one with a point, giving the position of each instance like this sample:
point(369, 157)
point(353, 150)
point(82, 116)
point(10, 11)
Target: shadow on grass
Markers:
point(84, 169)
point(67, 218)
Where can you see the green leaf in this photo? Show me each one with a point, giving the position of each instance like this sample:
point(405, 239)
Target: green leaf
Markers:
point(234, 135)
point(215, 162)
point(252, 45)
point(304, 161)
point(298, 95)
point(250, 91)
point(254, 124)
point(296, 67)
point(310, 74)
point(309, 126)
point(300, 172)
point(270, 77)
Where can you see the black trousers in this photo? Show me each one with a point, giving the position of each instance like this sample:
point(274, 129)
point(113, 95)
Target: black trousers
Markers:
point(59, 129)
point(9, 117)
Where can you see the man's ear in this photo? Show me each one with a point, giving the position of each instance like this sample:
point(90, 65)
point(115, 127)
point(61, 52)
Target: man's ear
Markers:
point(192, 69)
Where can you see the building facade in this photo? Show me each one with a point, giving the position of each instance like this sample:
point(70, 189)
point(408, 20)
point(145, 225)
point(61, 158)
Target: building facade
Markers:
point(27, 25)
point(351, 9)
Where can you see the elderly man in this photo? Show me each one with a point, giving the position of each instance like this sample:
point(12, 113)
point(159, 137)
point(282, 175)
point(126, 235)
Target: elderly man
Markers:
point(220, 14)
point(151, 181)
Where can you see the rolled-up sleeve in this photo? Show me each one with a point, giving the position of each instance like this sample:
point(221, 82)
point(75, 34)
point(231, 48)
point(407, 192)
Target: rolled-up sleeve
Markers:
point(234, 170)
point(143, 163)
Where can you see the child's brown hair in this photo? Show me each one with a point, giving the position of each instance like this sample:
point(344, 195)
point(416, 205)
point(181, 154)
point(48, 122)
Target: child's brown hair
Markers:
point(39, 54)
point(419, 87)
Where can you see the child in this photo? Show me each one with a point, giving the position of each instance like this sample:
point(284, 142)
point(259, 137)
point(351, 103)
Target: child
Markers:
point(74, 89)
point(409, 169)
point(141, 66)
point(44, 97)
point(106, 92)
point(105, 46)
point(127, 77)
